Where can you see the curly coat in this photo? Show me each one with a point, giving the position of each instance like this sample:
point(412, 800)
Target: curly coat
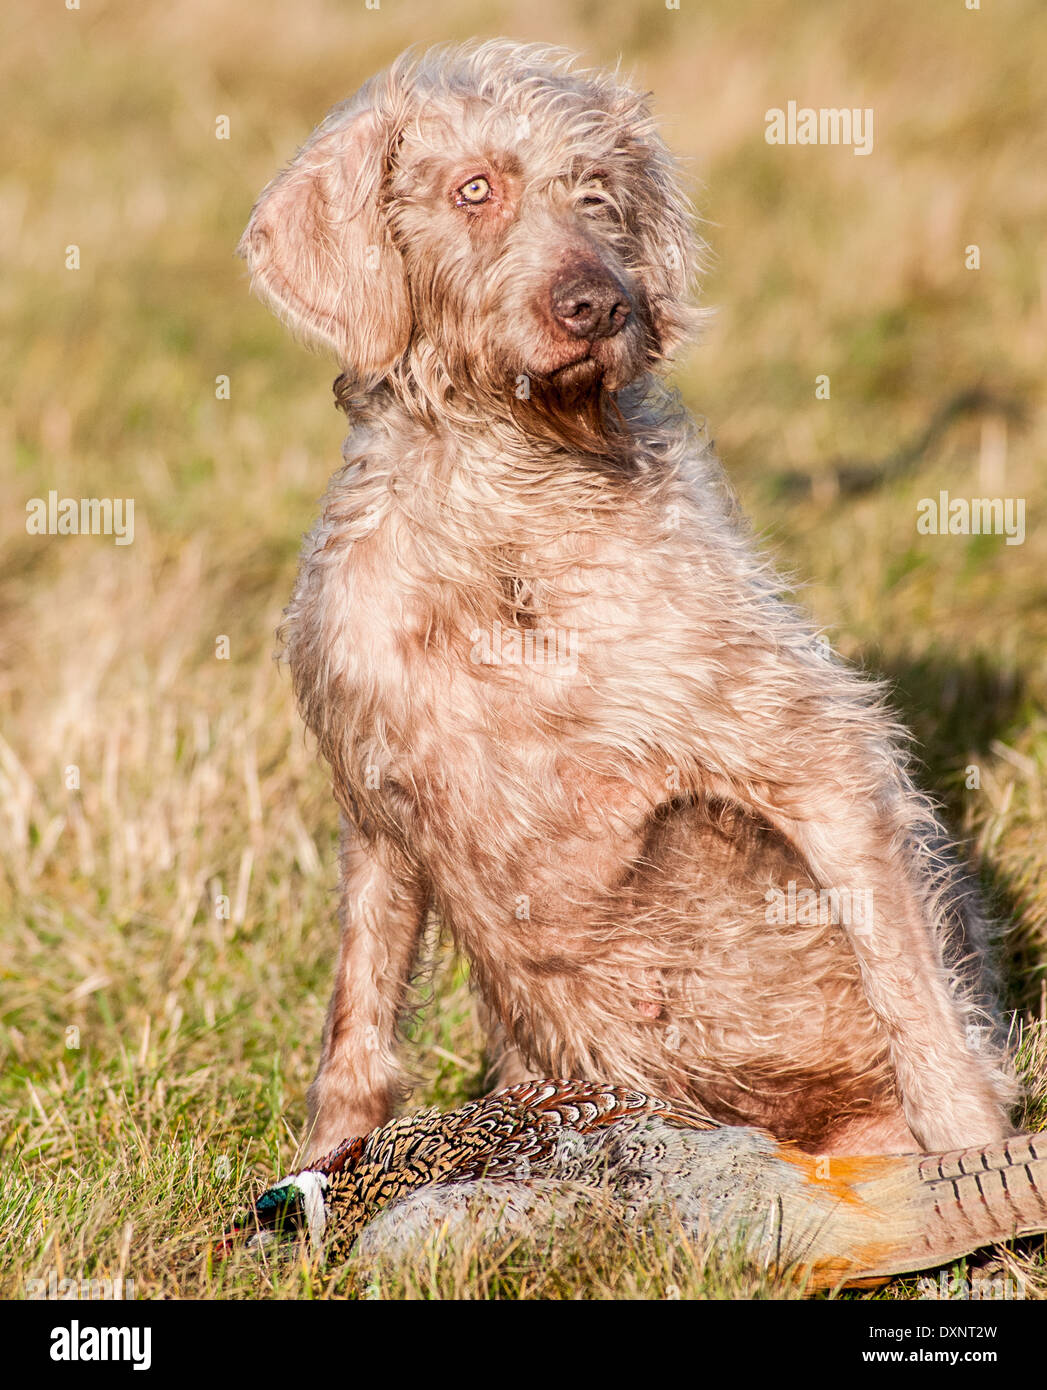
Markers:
point(561, 698)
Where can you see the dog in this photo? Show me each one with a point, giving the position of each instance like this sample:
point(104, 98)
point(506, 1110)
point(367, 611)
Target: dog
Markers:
point(563, 703)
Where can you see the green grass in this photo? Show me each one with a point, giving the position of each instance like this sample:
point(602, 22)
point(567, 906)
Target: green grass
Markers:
point(127, 1144)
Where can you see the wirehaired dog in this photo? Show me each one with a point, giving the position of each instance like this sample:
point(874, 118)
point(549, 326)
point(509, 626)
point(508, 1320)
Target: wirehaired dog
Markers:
point(561, 699)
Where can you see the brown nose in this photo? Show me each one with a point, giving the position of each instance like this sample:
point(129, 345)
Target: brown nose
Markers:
point(591, 306)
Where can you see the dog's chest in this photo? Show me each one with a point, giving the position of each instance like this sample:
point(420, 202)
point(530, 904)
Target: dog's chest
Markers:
point(471, 650)
point(423, 662)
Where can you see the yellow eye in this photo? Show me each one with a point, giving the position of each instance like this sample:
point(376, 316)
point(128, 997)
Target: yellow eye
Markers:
point(477, 190)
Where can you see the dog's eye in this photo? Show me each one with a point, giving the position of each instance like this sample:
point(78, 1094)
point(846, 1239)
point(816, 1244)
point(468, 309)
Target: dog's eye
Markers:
point(477, 190)
point(595, 197)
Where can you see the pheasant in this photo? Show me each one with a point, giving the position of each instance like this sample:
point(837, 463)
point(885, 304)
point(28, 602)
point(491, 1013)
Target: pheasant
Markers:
point(537, 1151)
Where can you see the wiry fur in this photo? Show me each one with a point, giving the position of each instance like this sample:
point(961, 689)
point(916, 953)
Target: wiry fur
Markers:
point(600, 832)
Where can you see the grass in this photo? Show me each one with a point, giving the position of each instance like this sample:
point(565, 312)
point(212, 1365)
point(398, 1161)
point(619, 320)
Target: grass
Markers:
point(167, 866)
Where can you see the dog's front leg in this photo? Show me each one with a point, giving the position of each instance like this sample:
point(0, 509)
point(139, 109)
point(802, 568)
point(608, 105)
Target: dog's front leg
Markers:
point(382, 913)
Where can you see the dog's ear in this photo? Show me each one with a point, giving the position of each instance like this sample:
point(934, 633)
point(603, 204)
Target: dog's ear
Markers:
point(319, 250)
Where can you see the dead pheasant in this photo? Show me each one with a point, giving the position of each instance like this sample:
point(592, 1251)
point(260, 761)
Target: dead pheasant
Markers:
point(532, 1153)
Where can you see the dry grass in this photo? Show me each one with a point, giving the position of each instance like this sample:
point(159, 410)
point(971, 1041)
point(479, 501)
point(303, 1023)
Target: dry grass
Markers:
point(127, 1144)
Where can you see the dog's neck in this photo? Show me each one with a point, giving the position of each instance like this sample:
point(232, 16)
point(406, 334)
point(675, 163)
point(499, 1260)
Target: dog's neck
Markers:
point(606, 436)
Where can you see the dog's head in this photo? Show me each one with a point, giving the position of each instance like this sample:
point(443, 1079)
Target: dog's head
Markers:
point(488, 230)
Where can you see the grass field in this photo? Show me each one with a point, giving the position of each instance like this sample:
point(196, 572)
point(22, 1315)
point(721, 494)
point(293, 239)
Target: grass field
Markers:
point(155, 1054)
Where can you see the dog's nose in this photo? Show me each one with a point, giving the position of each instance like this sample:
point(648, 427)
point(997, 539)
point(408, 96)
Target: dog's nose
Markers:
point(591, 306)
